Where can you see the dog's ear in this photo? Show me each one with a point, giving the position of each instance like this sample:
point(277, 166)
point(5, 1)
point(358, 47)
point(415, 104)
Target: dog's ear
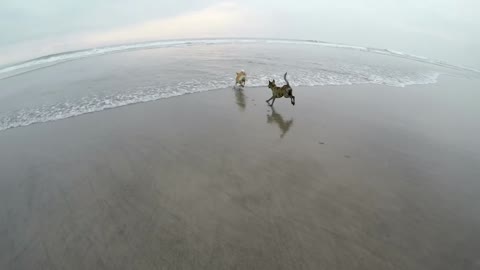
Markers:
point(273, 81)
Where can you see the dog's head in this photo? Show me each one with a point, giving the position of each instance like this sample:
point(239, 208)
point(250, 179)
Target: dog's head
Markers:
point(271, 84)
point(241, 73)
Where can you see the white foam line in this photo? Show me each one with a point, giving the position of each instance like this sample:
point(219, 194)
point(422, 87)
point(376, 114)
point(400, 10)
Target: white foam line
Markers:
point(59, 111)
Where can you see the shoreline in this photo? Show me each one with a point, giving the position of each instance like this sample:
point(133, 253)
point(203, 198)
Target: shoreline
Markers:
point(224, 89)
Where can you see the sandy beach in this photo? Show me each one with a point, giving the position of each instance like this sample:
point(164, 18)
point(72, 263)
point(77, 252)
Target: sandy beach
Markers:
point(352, 177)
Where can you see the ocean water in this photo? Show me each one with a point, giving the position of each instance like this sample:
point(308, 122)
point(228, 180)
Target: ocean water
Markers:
point(70, 84)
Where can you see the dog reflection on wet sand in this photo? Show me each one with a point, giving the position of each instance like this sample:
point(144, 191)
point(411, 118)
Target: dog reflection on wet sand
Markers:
point(282, 124)
point(240, 99)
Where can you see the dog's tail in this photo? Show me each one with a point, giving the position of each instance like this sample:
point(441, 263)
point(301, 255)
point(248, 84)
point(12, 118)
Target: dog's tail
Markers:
point(285, 77)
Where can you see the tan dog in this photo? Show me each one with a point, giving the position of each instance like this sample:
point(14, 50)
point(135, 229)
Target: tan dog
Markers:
point(277, 92)
point(241, 78)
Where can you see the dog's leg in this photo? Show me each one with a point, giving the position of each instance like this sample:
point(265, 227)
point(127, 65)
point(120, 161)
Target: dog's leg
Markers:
point(269, 100)
point(273, 101)
point(292, 100)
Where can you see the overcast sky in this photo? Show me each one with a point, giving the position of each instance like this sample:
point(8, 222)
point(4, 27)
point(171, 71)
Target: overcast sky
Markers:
point(440, 29)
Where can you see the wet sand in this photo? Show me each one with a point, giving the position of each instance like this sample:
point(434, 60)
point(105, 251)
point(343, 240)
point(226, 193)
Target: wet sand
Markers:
point(352, 177)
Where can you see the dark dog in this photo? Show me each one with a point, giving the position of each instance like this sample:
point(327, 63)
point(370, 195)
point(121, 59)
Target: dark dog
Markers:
point(278, 92)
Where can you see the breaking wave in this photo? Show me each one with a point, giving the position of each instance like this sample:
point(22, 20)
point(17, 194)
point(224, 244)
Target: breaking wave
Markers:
point(67, 56)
